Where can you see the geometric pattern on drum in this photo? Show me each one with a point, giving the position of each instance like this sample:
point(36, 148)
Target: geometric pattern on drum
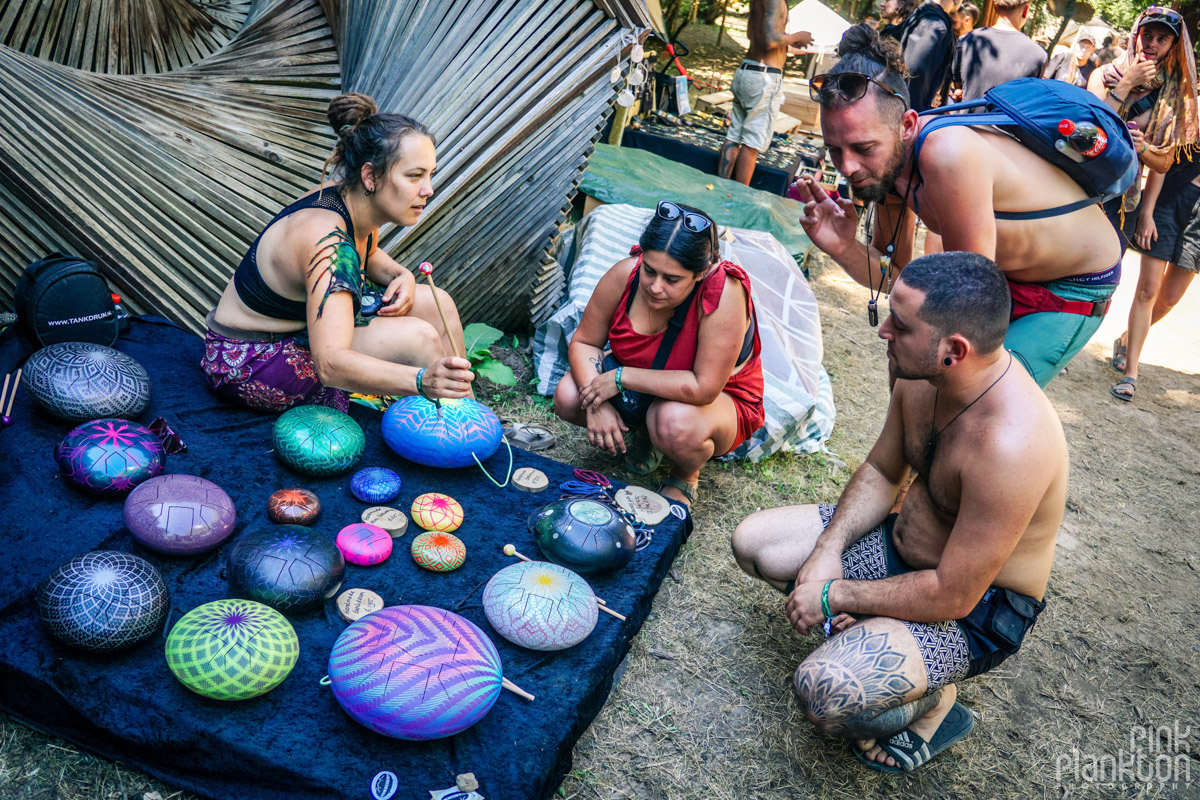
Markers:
point(110, 456)
point(540, 605)
point(79, 381)
point(437, 512)
point(375, 485)
point(293, 507)
point(232, 649)
point(364, 544)
point(288, 567)
point(104, 601)
point(415, 672)
point(317, 440)
point(439, 552)
point(944, 651)
point(179, 514)
point(455, 436)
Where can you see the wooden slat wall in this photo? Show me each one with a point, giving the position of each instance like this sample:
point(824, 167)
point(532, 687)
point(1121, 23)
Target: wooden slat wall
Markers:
point(165, 179)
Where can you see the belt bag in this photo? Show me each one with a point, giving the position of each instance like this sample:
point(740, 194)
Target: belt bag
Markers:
point(1034, 298)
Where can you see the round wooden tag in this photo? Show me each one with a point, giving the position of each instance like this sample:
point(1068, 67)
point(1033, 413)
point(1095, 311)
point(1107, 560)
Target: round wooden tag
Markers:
point(354, 604)
point(649, 507)
point(390, 519)
point(528, 479)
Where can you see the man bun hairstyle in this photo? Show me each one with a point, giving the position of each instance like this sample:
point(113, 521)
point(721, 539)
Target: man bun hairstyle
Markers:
point(863, 51)
point(365, 136)
point(965, 293)
point(694, 251)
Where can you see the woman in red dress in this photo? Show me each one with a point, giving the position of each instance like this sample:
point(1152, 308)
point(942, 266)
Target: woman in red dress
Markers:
point(668, 347)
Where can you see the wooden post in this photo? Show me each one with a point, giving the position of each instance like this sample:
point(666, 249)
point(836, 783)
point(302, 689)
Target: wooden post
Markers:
point(724, 13)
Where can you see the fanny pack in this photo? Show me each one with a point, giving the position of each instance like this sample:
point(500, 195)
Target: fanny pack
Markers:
point(1034, 298)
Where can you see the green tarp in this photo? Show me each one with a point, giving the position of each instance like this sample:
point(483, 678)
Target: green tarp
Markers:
point(628, 175)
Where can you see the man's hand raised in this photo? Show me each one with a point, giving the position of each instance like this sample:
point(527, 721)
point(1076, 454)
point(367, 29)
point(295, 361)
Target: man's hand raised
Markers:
point(830, 221)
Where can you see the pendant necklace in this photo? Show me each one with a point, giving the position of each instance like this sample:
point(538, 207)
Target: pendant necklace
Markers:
point(935, 434)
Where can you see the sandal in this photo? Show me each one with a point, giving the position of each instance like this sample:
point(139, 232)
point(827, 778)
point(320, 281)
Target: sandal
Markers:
point(642, 458)
point(1119, 352)
point(1126, 396)
point(528, 437)
point(911, 751)
point(689, 491)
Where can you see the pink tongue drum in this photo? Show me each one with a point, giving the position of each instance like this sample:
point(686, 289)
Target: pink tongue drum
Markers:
point(364, 544)
point(415, 672)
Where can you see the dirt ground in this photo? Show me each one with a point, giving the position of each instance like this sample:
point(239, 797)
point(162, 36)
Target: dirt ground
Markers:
point(1110, 674)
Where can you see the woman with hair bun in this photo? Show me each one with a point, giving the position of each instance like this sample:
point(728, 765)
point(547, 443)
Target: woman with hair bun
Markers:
point(315, 309)
point(682, 368)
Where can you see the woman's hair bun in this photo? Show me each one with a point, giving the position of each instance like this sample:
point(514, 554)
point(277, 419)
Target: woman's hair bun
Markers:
point(349, 110)
point(864, 41)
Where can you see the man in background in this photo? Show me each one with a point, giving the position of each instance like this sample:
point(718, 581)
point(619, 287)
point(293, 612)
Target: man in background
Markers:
point(1075, 65)
point(927, 43)
point(965, 19)
point(758, 88)
point(988, 57)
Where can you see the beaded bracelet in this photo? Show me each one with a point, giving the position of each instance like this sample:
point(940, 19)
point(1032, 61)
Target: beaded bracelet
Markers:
point(420, 388)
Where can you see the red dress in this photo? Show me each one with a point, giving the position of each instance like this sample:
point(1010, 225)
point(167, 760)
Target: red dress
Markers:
point(633, 349)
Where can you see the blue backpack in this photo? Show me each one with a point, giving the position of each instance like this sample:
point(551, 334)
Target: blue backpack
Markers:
point(1031, 109)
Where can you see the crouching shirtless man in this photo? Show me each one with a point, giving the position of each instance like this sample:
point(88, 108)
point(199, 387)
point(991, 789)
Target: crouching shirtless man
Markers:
point(947, 588)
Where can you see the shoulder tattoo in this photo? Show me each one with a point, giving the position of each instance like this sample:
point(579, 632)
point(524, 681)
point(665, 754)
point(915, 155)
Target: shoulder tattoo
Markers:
point(337, 256)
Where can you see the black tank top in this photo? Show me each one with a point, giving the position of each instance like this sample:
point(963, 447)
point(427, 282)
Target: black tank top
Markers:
point(248, 281)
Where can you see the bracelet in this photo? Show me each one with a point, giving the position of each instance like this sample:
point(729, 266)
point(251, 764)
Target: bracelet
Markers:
point(825, 599)
point(420, 388)
point(1145, 147)
point(617, 377)
point(1113, 95)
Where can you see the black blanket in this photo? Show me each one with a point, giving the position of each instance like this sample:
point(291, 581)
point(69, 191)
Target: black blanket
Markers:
point(294, 742)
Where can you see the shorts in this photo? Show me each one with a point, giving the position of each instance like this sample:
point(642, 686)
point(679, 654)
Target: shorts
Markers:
point(265, 371)
point(1172, 217)
point(955, 649)
point(1046, 342)
point(757, 98)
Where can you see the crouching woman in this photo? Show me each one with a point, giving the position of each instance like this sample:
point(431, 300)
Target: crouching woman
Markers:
point(668, 348)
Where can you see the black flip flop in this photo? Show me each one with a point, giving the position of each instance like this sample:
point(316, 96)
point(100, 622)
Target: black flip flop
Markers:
point(911, 751)
point(1126, 381)
point(528, 437)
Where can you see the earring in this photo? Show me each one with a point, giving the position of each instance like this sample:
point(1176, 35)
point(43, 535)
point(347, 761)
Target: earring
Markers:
point(368, 192)
point(947, 361)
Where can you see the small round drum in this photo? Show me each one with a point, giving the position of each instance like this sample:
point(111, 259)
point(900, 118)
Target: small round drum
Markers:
point(109, 457)
point(232, 649)
point(541, 606)
point(287, 567)
point(584, 535)
point(317, 440)
point(103, 601)
point(179, 515)
point(463, 431)
point(415, 672)
point(437, 512)
point(364, 544)
point(79, 381)
point(375, 485)
point(293, 507)
point(438, 552)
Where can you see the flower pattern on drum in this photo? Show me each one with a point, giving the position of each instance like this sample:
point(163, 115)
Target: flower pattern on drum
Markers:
point(541, 606)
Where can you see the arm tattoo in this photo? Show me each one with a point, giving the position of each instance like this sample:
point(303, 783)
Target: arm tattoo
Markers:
point(860, 675)
point(598, 363)
point(339, 258)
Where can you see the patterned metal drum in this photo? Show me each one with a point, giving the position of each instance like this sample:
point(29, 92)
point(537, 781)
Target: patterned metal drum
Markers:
point(375, 485)
point(179, 515)
point(318, 441)
point(110, 456)
point(364, 544)
point(104, 601)
point(293, 507)
point(287, 567)
point(584, 535)
point(438, 552)
point(79, 381)
point(541, 606)
point(437, 512)
point(232, 649)
point(465, 430)
point(415, 672)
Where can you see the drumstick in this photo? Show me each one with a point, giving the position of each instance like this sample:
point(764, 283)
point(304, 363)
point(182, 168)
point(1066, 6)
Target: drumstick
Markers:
point(517, 690)
point(13, 396)
point(427, 270)
point(511, 550)
point(4, 391)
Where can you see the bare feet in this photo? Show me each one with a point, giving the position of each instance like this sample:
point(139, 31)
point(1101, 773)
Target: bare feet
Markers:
point(924, 727)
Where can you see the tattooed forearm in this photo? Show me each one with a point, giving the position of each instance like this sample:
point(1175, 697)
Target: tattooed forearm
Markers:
point(598, 363)
point(860, 674)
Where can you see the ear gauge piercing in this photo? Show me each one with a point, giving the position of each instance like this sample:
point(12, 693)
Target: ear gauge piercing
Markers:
point(947, 361)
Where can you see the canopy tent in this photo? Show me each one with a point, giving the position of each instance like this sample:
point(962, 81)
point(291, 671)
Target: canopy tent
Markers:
point(825, 24)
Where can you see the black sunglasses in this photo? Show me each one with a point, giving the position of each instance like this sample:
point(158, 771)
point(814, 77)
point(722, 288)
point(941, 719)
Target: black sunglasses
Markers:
point(849, 86)
point(696, 223)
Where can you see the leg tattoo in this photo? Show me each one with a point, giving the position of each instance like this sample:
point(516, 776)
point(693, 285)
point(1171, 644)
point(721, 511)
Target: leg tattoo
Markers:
point(871, 724)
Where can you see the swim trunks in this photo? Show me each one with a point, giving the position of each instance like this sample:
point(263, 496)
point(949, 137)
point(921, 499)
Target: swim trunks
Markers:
point(1045, 342)
point(955, 649)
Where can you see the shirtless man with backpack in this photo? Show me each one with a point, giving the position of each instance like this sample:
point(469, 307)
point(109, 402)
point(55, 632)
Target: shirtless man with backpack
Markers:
point(1062, 268)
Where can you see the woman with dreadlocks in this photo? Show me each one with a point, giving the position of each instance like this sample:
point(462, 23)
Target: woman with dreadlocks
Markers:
point(1154, 88)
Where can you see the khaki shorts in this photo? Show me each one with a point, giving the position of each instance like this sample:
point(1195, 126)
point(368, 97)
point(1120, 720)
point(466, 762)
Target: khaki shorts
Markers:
point(757, 97)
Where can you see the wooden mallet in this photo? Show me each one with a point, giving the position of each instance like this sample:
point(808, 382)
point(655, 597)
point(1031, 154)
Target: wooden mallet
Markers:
point(517, 690)
point(426, 269)
point(511, 550)
point(6, 417)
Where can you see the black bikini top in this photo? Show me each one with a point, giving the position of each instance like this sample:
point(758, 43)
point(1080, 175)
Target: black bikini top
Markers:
point(261, 298)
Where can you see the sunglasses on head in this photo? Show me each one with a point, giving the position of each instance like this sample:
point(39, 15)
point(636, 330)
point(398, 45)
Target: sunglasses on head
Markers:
point(1159, 11)
point(847, 86)
point(696, 223)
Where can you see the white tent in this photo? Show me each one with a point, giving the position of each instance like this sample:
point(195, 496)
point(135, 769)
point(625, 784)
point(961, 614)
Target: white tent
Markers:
point(825, 24)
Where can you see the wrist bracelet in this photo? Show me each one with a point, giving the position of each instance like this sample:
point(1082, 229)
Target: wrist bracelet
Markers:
point(420, 388)
point(1145, 147)
point(617, 377)
point(825, 599)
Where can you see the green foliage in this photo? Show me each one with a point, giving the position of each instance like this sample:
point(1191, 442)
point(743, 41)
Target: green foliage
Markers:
point(1118, 13)
point(479, 338)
